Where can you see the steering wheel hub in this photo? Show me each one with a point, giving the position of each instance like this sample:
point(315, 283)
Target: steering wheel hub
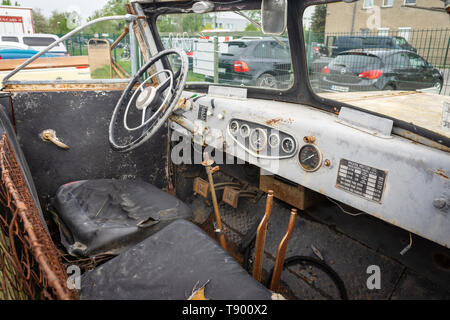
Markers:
point(145, 98)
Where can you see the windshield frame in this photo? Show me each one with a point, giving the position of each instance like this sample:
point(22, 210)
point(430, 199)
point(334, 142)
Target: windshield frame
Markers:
point(154, 10)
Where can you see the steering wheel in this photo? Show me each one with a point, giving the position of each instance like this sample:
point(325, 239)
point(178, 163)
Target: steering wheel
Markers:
point(155, 103)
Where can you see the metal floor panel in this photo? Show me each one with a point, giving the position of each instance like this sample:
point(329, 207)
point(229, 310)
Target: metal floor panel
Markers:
point(348, 247)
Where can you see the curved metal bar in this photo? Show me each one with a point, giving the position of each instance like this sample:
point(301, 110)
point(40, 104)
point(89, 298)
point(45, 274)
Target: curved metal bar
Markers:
point(261, 238)
point(128, 18)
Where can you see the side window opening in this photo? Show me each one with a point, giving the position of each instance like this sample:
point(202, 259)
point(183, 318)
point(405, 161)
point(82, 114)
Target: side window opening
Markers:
point(364, 28)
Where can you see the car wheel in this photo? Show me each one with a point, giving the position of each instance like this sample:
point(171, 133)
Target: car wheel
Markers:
point(389, 87)
point(438, 86)
point(267, 81)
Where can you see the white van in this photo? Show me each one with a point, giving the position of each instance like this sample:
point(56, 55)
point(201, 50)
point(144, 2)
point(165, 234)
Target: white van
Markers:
point(38, 41)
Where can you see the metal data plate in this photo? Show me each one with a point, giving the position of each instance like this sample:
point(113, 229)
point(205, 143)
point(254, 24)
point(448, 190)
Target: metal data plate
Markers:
point(202, 113)
point(362, 180)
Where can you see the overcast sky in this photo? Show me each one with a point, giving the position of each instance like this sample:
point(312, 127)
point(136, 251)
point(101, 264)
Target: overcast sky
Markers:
point(84, 7)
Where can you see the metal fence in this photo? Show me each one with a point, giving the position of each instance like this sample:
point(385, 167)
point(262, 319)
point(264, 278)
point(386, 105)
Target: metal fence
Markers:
point(78, 46)
point(431, 44)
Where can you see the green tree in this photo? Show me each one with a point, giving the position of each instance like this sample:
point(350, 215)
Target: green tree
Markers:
point(251, 28)
point(58, 23)
point(192, 22)
point(6, 3)
point(41, 23)
point(111, 8)
point(207, 26)
point(166, 24)
point(318, 22)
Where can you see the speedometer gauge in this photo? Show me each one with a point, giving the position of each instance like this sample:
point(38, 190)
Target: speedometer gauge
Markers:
point(310, 157)
point(258, 139)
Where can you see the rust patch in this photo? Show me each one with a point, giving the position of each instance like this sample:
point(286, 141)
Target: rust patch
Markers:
point(441, 173)
point(275, 121)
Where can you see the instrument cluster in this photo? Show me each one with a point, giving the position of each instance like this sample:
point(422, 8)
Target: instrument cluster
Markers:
point(261, 140)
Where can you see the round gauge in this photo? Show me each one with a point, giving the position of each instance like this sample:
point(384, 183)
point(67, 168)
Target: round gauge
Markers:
point(288, 145)
point(234, 127)
point(245, 131)
point(310, 157)
point(274, 140)
point(258, 139)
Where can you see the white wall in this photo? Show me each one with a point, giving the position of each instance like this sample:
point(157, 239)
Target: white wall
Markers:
point(15, 20)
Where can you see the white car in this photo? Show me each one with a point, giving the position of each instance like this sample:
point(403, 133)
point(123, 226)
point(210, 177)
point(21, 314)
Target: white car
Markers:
point(38, 41)
point(13, 45)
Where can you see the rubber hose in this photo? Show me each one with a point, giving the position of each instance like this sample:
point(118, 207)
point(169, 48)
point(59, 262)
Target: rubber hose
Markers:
point(319, 264)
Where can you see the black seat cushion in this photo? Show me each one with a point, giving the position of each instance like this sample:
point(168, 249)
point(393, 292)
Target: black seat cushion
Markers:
point(168, 265)
point(108, 216)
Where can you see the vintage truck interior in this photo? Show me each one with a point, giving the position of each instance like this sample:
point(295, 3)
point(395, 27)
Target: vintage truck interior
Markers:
point(258, 188)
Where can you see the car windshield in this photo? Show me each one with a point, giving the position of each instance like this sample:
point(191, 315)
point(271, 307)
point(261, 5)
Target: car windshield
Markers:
point(245, 56)
point(401, 41)
point(236, 48)
point(357, 60)
point(38, 41)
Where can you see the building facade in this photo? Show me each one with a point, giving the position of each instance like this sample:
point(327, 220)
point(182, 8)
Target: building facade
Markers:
point(16, 20)
point(426, 30)
point(385, 17)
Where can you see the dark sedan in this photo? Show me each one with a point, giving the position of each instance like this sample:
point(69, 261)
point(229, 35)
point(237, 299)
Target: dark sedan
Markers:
point(379, 69)
point(256, 62)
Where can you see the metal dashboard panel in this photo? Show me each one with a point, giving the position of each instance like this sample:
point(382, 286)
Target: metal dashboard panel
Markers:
point(415, 175)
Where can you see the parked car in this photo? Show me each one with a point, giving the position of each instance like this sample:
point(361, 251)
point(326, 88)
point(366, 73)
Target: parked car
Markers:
point(316, 66)
point(379, 69)
point(38, 41)
point(318, 50)
point(13, 45)
point(256, 62)
point(345, 43)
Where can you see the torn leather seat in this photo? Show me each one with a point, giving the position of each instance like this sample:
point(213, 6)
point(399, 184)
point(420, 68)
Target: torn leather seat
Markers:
point(168, 266)
point(108, 216)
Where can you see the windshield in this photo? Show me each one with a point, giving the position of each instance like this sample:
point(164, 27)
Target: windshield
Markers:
point(364, 35)
point(379, 57)
point(226, 48)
